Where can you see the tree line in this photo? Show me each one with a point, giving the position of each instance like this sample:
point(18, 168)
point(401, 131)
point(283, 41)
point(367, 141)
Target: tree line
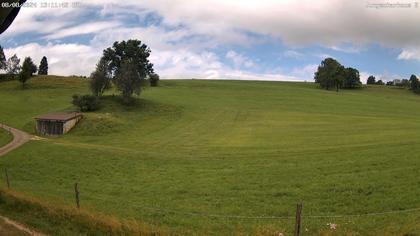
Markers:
point(23, 72)
point(124, 66)
point(332, 75)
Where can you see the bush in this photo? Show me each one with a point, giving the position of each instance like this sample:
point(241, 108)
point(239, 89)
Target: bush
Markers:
point(7, 77)
point(154, 80)
point(86, 102)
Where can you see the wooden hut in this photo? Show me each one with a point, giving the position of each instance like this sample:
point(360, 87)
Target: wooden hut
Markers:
point(57, 123)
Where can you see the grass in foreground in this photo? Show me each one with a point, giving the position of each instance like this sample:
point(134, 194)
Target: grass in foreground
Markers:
point(5, 137)
point(227, 148)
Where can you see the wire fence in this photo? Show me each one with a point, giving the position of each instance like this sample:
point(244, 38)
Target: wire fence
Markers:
point(201, 214)
point(297, 218)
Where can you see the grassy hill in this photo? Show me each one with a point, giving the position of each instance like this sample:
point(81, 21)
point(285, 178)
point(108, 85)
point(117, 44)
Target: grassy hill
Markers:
point(5, 137)
point(191, 151)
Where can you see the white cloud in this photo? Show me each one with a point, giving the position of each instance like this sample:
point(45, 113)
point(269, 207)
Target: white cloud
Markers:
point(293, 54)
point(63, 59)
point(410, 54)
point(306, 72)
point(87, 28)
point(239, 60)
point(183, 42)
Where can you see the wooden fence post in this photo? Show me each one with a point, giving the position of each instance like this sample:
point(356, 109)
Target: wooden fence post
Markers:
point(7, 179)
point(298, 219)
point(76, 191)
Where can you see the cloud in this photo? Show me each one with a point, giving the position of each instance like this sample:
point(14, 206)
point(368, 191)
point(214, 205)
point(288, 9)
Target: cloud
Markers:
point(306, 72)
point(87, 28)
point(63, 59)
point(239, 60)
point(410, 54)
point(325, 22)
point(293, 54)
point(195, 38)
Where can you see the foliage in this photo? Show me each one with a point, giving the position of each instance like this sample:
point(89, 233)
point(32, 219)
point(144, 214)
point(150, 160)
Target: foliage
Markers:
point(100, 79)
point(28, 68)
point(371, 80)
point(13, 65)
point(7, 77)
point(390, 83)
point(3, 64)
point(128, 80)
point(352, 78)
point(43, 66)
point(130, 55)
point(86, 102)
point(331, 74)
point(154, 80)
point(404, 83)
point(380, 82)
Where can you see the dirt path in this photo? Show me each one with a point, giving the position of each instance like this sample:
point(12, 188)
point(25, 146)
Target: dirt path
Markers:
point(18, 229)
point(19, 138)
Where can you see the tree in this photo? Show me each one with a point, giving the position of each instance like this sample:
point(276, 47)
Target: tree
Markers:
point(390, 83)
point(414, 83)
point(404, 83)
point(371, 80)
point(380, 82)
point(154, 80)
point(86, 102)
point(128, 80)
point(43, 66)
point(3, 64)
point(352, 78)
point(100, 80)
point(13, 65)
point(28, 68)
point(330, 74)
point(129, 55)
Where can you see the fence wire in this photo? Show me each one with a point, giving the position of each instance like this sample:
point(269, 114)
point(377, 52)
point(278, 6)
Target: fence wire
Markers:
point(166, 211)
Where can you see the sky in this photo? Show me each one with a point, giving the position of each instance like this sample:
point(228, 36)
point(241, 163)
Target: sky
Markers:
point(282, 40)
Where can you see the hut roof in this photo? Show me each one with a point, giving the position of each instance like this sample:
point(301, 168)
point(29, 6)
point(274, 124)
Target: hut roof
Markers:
point(59, 116)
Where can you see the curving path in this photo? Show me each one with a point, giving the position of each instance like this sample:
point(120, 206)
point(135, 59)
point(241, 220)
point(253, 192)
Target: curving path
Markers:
point(19, 138)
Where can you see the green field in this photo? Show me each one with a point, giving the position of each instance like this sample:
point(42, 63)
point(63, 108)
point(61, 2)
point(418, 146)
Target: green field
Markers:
point(5, 137)
point(190, 152)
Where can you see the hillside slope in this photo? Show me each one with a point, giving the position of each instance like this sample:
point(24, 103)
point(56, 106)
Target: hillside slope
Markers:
point(190, 150)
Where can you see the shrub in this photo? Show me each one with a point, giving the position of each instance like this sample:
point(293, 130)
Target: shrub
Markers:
point(154, 80)
point(7, 77)
point(86, 102)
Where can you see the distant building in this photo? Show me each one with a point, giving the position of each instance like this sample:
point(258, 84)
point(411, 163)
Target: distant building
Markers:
point(57, 123)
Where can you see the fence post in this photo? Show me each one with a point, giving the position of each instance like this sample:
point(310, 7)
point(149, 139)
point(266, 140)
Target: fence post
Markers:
point(7, 178)
point(298, 219)
point(76, 191)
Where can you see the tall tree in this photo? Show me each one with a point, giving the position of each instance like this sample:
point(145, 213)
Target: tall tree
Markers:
point(13, 65)
point(27, 70)
point(330, 74)
point(135, 55)
point(154, 80)
point(128, 80)
point(352, 78)
point(371, 80)
point(43, 66)
point(414, 83)
point(100, 79)
point(380, 82)
point(3, 64)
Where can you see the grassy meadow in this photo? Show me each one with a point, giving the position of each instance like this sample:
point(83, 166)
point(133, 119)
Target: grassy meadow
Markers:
point(5, 137)
point(191, 151)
